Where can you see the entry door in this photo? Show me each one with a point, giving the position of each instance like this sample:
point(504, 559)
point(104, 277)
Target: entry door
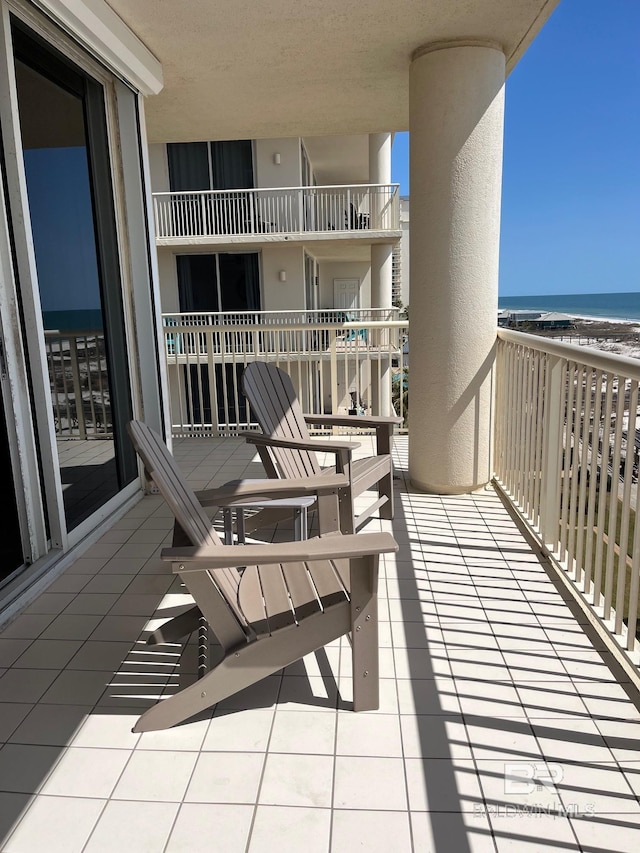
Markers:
point(346, 293)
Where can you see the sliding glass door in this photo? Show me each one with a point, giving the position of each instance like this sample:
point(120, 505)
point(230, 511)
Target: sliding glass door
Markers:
point(70, 196)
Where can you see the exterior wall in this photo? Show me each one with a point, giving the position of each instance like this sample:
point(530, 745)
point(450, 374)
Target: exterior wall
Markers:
point(282, 295)
point(287, 173)
point(168, 273)
point(159, 168)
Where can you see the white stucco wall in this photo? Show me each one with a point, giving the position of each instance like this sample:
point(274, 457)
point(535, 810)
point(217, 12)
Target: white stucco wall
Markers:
point(288, 173)
point(159, 168)
point(168, 274)
point(282, 295)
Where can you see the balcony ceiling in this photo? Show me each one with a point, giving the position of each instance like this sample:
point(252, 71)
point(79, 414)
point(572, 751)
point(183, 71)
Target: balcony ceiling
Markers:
point(302, 67)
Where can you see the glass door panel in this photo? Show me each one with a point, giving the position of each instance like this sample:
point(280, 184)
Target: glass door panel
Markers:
point(71, 208)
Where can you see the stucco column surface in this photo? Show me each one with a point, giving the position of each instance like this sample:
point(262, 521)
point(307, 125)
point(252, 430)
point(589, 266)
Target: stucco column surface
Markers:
point(381, 253)
point(456, 106)
point(381, 260)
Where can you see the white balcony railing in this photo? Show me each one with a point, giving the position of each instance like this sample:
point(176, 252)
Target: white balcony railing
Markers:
point(338, 365)
point(79, 384)
point(566, 453)
point(283, 210)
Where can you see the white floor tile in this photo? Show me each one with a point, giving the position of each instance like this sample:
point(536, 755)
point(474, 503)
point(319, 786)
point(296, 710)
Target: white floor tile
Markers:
point(225, 777)
point(374, 831)
point(241, 731)
point(297, 780)
point(214, 827)
point(303, 732)
point(369, 783)
point(143, 827)
point(86, 772)
point(72, 817)
point(156, 776)
point(278, 827)
point(374, 734)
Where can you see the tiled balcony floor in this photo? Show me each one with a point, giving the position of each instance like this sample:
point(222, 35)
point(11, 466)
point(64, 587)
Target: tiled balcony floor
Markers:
point(488, 680)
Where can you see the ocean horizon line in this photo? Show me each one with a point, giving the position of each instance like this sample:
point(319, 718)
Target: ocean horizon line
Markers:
point(610, 306)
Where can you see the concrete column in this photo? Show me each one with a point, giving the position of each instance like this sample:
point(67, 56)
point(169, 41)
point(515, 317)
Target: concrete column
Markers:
point(381, 264)
point(379, 158)
point(456, 109)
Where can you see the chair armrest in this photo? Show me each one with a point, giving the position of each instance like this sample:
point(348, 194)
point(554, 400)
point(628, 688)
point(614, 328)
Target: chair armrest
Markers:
point(239, 490)
point(383, 425)
point(363, 421)
point(298, 443)
point(331, 547)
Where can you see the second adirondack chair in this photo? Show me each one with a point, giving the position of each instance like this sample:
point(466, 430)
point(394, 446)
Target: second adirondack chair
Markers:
point(287, 450)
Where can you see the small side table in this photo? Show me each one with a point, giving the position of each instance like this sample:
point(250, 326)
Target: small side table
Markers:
point(299, 507)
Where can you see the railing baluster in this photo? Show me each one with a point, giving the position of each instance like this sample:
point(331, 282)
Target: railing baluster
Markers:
point(602, 489)
point(623, 554)
point(594, 433)
point(614, 499)
point(567, 449)
point(581, 532)
point(573, 517)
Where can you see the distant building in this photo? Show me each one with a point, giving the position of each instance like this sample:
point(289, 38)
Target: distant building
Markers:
point(554, 320)
point(538, 319)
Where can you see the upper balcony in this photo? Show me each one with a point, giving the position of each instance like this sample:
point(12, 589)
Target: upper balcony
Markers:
point(356, 212)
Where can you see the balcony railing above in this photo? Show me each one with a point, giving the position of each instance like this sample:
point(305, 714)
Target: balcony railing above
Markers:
point(370, 210)
point(340, 362)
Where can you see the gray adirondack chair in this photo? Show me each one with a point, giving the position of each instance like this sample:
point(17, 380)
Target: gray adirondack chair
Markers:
point(287, 450)
point(268, 605)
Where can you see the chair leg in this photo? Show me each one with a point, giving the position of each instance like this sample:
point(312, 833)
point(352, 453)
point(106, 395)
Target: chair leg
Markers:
point(245, 665)
point(364, 633)
point(216, 685)
point(347, 520)
point(385, 489)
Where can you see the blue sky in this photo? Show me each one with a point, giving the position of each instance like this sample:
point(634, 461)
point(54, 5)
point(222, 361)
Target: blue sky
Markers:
point(571, 179)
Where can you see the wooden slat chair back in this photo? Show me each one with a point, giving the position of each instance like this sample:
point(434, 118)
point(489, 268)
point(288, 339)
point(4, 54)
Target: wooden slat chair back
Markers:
point(268, 614)
point(275, 406)
point(194, 526)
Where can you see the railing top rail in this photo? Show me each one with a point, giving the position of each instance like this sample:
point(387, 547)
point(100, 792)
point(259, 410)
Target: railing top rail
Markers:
point(394, 187)
point(275, 312)
point(589, 356)
point(72, 333)
point(286, 326)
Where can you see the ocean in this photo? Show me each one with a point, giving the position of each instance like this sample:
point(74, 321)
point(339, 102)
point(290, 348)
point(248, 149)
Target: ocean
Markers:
point(616, 306)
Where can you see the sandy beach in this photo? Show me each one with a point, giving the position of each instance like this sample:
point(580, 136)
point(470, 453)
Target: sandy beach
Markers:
point(621, 337)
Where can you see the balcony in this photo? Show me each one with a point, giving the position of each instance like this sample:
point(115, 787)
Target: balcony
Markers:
point(509, 716)
point(360, 211)
point(501, 727)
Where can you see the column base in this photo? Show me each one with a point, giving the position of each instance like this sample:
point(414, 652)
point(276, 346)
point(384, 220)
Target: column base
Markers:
point(433, 489)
